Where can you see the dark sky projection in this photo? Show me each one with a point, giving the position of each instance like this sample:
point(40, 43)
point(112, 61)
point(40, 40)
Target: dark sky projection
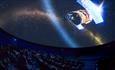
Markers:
point(31, 20)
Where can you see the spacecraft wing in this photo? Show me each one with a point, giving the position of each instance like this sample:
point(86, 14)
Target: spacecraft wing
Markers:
point(92, 9)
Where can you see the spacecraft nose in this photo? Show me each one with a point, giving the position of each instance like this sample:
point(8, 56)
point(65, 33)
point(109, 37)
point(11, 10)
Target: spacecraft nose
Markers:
point(73, 18)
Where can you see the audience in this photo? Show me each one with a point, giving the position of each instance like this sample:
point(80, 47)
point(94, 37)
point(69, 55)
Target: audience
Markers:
point(13, 58)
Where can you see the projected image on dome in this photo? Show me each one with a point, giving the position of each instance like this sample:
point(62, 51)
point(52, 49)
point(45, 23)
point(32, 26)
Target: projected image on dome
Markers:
point(85, 16)
point(59, 23)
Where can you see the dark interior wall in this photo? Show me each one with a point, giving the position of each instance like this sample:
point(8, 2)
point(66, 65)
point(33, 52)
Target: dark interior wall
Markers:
point(107, 64)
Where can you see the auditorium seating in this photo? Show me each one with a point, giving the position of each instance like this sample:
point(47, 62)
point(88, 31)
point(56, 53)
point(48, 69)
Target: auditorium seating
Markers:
point(14, 58)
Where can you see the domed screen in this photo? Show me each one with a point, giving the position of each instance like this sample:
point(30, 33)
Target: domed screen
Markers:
point(59, 23)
